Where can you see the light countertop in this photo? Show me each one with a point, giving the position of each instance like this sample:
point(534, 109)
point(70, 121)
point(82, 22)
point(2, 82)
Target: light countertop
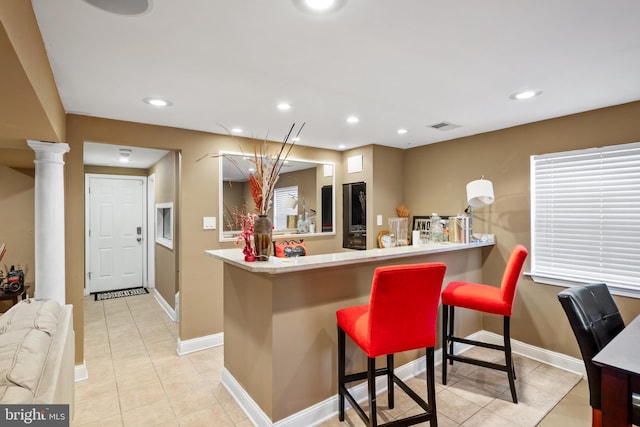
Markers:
point(310, 262)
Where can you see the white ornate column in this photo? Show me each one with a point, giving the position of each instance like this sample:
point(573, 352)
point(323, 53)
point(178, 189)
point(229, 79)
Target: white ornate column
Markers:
point(49, 218)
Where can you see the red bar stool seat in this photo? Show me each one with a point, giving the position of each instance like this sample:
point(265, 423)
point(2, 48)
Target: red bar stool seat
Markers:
point(487, 299)
point(401, 315)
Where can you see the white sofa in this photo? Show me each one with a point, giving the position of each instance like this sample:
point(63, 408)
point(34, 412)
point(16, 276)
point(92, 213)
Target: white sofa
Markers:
point(37, 354)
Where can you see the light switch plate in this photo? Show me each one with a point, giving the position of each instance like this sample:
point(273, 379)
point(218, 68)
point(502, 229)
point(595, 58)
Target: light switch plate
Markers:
point(379, 220)
point(209, 223)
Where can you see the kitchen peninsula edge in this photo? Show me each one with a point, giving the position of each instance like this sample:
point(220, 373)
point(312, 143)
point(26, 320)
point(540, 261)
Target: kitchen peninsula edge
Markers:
point(280, 340)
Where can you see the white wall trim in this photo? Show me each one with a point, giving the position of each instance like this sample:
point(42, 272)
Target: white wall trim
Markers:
point(164, 304)
point(328, 408)
point(151, 231)
point(81, 372)
point(200, 343)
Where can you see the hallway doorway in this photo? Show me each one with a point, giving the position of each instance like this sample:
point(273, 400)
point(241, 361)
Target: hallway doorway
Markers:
point(116, 232)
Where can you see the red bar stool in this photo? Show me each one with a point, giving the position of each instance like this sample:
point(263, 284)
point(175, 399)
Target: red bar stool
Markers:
point(401, 315)
point(487, 299)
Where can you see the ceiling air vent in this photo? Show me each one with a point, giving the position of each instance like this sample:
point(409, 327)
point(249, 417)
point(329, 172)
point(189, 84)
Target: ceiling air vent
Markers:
point(444, 126)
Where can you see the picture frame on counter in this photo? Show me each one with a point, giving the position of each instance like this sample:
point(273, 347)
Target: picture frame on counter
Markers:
point(421, 223)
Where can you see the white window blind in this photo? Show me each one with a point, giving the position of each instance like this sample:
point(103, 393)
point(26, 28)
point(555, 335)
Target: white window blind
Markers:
point(586, 216)
point(284, 203)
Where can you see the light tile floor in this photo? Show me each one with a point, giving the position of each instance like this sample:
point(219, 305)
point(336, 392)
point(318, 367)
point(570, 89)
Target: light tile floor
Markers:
point(137, 379)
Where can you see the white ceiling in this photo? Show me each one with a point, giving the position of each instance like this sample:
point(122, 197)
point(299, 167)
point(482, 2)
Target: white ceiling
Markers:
point(395, 64)
point(97, 154)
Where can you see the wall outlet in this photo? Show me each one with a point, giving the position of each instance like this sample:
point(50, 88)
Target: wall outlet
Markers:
point(209, 223)
point(379, 220)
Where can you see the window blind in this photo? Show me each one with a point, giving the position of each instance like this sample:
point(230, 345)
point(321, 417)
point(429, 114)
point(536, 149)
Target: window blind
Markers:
point(282, 202)
point(586, 216)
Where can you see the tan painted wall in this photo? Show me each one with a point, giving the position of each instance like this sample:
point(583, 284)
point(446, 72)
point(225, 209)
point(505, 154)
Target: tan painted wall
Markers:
point(200, 275)
point(435, 180)
point(233, 198)
point(31, 106)
point(17, 224)
point(387, 191)
point(307, 188)
point(17, 158)
point(365, 176)
point(107, 170)
point(166, 260)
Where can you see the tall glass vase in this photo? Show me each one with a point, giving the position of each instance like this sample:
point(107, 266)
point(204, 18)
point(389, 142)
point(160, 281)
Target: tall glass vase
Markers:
point(262, 229)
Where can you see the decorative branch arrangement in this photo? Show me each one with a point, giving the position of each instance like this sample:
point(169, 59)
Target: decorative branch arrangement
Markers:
point(268, 165)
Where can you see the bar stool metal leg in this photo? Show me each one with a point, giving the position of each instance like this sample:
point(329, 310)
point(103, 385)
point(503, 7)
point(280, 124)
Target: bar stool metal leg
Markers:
point(451, 324)
point(511, 370)
point(431, 386)
point(445, 341)
point(341, 373)
point(390, 381)
point(371, 379)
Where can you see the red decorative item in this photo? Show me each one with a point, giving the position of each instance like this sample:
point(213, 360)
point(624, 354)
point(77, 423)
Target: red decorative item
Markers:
point(247, 230)
point(248, 253)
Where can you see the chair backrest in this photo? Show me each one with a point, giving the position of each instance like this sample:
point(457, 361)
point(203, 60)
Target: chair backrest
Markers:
point(403, 308)
point(511, 275)
point(595, 320)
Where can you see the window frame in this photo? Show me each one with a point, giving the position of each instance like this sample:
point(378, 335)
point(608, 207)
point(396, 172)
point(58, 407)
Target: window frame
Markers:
point(614, 167)
point(280, 210)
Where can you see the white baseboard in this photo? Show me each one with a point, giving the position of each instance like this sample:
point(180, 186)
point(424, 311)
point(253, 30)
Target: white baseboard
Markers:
point(328, 408)
point(200, 343)
point(165, 305)
point(81, 373)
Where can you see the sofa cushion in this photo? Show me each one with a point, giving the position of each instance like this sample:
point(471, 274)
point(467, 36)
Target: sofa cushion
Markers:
point(27, 314)
point(22, 357)
point(14, 395)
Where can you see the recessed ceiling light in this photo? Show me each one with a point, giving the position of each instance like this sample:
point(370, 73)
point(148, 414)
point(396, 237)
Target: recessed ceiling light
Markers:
point(402, 131)
point(283, 106)
point(319, 6)
point(125, 154)
point(525, 94)
point(341, 146)
point(352, 119)
point(252, 169)
point(236, 130)
point(295, 139)
point(121, 7)
point(157, 102)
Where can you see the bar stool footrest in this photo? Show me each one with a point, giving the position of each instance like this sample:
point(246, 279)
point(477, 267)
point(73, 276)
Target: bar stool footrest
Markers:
point(476, 343)
point(478, 362)
point(403, 422)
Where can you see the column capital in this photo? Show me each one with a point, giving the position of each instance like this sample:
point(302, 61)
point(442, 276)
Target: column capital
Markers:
point(48, 147)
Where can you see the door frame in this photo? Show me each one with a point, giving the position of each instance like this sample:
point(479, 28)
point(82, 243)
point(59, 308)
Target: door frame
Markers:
point(87, 221)
point(151, 232)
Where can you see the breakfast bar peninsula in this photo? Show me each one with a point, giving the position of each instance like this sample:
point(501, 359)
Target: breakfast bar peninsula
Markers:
point(280, 336)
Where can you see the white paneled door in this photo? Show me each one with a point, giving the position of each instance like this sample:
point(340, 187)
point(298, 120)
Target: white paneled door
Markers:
point(116, 232)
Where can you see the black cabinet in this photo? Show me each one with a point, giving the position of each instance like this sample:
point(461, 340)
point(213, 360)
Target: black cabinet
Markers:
point(354, 211)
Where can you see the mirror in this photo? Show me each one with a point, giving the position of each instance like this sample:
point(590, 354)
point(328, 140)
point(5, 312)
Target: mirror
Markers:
point(304, 200)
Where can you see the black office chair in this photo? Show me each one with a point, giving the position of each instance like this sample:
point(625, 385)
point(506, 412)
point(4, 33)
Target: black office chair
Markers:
point(595, 320)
